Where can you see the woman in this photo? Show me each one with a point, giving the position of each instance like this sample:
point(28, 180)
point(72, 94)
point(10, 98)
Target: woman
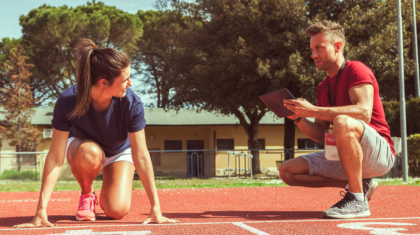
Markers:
point(98, 124)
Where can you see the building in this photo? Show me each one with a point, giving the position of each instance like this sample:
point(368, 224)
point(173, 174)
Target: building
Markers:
point(171, 137)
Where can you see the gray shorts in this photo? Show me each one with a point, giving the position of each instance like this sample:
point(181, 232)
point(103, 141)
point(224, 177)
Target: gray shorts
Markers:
point(377, 158)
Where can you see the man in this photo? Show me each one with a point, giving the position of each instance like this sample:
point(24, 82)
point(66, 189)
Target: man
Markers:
point(348, 98)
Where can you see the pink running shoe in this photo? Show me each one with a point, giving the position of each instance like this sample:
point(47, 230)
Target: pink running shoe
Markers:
point(86, 210)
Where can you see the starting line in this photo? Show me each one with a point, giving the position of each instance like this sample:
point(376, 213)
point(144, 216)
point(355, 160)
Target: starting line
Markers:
point(362, 224)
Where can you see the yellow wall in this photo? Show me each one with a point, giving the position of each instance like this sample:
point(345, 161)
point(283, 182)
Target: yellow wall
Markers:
point(7, 161)
point(176, 163)
point(44, 147)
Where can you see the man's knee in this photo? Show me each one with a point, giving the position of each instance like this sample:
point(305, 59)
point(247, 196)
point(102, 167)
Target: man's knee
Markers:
point(285, 174)
point(343, 125)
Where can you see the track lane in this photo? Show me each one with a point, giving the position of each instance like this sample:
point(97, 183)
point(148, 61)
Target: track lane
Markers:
point(273, 210)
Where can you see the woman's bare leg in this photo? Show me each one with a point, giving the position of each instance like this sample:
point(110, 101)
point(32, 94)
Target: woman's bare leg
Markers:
point(116, 190)
point(85, 158)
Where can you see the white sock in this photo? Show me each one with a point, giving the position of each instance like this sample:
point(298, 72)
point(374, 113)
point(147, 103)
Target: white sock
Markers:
point(347, 187)
point(359, 196)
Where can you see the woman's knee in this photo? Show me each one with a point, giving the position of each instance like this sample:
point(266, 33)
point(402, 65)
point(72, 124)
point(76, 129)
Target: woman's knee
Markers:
point(87, 153)
point(116, 212)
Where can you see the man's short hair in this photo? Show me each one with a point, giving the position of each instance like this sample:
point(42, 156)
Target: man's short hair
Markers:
point(332, 30)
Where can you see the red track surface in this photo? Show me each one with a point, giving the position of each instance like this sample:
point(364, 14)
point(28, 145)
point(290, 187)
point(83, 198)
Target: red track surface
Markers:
point(277, 210)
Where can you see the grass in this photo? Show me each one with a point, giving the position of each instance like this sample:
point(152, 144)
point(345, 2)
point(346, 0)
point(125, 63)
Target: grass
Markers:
point(15, 174)
point(72, 185)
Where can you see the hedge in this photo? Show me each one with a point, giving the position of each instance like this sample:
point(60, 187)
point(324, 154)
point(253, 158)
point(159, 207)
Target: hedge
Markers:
point(392, 115)
point(413, 154)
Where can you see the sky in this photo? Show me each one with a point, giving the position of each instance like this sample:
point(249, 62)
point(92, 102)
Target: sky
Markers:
point(11, 10)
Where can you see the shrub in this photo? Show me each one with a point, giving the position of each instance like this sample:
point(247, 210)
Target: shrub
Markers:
point(15, 174)
point(413, 116)
point(413, 154)
point(392, 115)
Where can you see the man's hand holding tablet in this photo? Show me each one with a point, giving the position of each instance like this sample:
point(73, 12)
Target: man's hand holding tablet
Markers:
point(300, 107)
point(284, 104)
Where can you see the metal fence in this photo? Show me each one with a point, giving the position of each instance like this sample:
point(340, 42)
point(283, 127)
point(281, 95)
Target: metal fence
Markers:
point(22, 165)
point(218, 163)
point(167, 164)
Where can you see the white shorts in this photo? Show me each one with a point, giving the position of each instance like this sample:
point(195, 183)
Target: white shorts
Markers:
point(123, 156)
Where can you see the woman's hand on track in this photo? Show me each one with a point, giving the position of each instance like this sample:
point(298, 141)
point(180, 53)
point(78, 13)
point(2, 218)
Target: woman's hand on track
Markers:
point(40, 220)
point(155, 215)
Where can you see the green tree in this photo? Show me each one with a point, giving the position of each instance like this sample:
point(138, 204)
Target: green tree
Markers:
point(372, 38)
point(17, 128)
point(243, 48)
point(50, 34)
point(160, 56)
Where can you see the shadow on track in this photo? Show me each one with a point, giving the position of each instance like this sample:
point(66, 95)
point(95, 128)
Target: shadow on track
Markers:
point(207, 216)
point(10, 221)
point(248, 215)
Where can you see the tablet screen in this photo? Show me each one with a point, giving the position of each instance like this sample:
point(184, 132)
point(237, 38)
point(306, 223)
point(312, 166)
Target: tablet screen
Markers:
point(274, 101)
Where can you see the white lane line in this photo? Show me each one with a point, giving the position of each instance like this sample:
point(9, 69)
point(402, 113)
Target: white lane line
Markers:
point(249, 228)
point(181, 224)
point(36, 200)
point(89, 232)
point(375, 230)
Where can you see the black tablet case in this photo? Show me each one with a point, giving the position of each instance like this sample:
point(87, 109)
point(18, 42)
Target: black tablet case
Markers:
point(274, 101)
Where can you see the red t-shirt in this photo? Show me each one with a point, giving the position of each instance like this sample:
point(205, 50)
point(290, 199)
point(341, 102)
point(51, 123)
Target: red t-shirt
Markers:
point(353, 74)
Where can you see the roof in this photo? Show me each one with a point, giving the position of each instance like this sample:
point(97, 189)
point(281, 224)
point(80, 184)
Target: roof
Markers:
point(160, 117)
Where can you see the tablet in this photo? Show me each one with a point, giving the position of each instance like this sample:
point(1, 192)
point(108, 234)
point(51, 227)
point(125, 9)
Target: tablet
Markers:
point(274, 101)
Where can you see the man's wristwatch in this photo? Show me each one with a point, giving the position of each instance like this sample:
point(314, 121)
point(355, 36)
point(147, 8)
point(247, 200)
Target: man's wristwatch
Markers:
point(297, 120)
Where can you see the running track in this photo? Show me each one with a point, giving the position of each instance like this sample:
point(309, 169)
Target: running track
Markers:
point(274, 210)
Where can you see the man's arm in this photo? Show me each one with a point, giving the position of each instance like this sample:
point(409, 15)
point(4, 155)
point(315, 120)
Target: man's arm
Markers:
point(314, 130)
point(361, 96)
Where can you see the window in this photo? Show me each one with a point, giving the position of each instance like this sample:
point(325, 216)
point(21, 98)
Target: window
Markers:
point(28, 159)
point(173, 144)
point(309, 144)
point(155, 156)
point(261, 144)
point(225, 144)
point(47, 133)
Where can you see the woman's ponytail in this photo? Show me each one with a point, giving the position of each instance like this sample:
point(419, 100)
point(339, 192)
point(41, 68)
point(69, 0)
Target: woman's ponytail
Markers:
point(93, 64)
point(82, 53)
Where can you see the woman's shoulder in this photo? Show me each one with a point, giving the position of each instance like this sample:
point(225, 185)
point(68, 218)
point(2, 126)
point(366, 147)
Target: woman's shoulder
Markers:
point(131, 97)
point(70, 92)
point(130, 103)
point(68, 96)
